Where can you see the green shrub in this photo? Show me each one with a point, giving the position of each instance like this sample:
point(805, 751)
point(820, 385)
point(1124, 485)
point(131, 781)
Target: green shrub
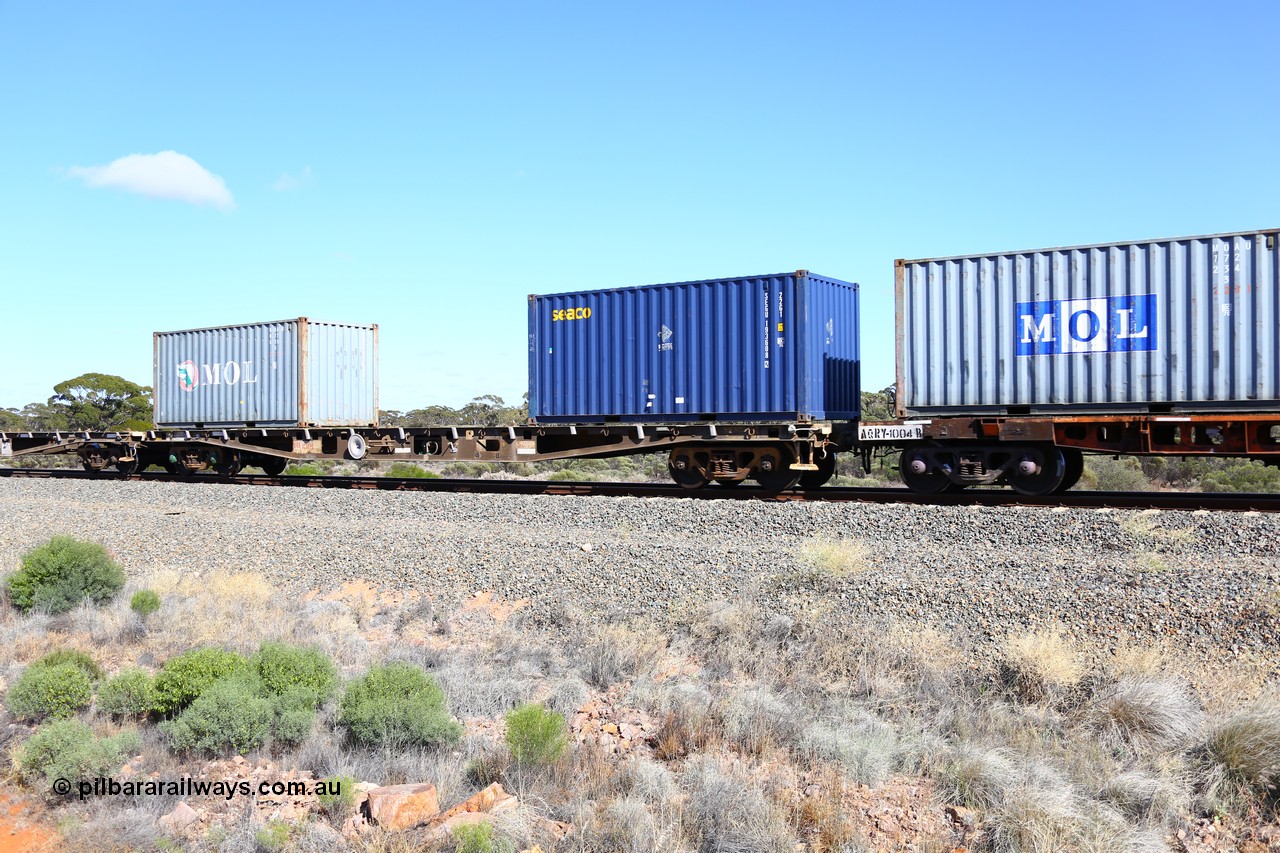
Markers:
point(59, 575)
point(272, 837)
point(397, 704)
point(293, 715)
point(185, 677)
point(536, 735)
point(144, 602)
point(131, 693)
point(80, 660)
point(1242, 475)
point(68, 750)
point(338, 796)
point(478, 838)
point(228, 715)
point(568, 475)
point(285, 668)
point(1114, 475)
point(54, 691)
point(408, 470)
point(304, 469)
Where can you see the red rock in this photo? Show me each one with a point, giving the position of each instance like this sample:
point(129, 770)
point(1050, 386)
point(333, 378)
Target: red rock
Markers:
point(403, 806)
point(180, 818)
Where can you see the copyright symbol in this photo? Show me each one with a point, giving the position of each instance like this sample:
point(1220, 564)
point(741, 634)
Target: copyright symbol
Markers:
point(61, 787)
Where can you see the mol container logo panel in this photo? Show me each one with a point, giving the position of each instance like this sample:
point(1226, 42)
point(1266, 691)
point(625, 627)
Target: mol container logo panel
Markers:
point(1099, 324)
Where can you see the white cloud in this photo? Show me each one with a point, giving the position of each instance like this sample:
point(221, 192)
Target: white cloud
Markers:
point(167, 175)
point(287, 182)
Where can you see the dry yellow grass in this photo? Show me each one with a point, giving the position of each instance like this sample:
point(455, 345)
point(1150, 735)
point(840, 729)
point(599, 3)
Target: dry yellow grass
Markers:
point(1042, 664)
point(837, 558)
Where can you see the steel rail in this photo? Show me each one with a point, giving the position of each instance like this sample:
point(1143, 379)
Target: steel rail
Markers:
point(1207, 501)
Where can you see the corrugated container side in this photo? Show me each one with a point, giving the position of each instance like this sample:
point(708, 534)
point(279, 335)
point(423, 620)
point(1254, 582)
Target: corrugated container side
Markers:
point(754, 348)
point(1178, 324)
point(282, 373)
point(341, 374)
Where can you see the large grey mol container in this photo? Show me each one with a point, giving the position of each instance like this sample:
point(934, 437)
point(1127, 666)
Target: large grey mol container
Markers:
point(1177, 325)
point(290, 373)
point(780, 347)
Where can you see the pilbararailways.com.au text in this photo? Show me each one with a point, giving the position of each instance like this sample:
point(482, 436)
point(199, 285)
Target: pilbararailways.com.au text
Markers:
point(189, 787)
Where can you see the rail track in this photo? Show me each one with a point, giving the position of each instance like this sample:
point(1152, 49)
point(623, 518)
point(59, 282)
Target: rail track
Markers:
point(1209, 501)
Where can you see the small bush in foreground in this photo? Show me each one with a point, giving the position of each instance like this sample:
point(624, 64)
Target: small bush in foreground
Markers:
point(397, 704)
point(131, 693)
point(1040, 665)
point(186, 677)
point(835, 558)
point(1244, 751)
point(54, 691)
point(69, 750)
point(536, 735)
point(478, 838)
point(285, 668)
point(144, 602)
point(80, 660)
point(59, 575)
point(1155, 713)
point(273, 837)
point(339, 795)
point(229, 715)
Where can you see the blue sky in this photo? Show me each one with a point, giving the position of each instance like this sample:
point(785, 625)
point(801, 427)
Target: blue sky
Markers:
point(426, 166)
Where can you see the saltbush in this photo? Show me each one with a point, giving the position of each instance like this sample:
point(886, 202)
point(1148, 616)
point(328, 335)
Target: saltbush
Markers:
point(478, 838)
point(228, 715)
point(285, 668)
point(131, 693)
point(68, 750)
point(80, 660)
point(293, 715)
point(59, 575)
point(536, 735)
point(338, 796)
point(43, 690)
point(144, 602)
point(397, 704)
point(186, 677)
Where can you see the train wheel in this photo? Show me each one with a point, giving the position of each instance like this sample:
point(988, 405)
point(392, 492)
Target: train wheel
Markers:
point(826, 470)
point(919, 477)
point(686, 474)
point(229, 465)
point(1040, 471)
point(774, 473)
point(272, 466)
point(1075, 468)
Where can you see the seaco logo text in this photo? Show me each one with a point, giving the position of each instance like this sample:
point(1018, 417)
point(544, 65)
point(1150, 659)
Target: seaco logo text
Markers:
point(1101, 324)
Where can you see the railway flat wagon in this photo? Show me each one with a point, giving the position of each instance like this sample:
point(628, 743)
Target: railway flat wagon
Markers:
point(1010, 365)
point(778, 347)
point(290, 373)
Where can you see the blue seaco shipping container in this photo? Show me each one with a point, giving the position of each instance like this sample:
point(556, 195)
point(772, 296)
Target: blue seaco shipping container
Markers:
point(757, 348)
point(1176, 325)
point(298, 373)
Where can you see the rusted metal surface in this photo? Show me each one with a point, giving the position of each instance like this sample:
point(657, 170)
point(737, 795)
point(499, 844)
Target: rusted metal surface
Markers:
point(1229, 434)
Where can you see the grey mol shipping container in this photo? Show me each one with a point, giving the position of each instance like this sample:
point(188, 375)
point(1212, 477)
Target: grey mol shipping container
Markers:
point(1173, 325)
point(302, 373)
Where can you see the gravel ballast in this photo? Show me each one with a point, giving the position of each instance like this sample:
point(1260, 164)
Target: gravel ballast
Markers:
point(1207, 581)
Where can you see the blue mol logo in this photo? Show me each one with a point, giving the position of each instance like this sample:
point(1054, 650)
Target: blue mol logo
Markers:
point(1101, 324)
